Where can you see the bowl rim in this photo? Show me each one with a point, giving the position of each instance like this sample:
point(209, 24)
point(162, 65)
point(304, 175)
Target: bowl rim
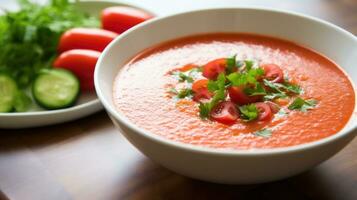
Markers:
point(210, 150)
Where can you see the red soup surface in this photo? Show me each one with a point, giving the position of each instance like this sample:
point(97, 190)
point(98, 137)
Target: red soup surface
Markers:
point(143, 92)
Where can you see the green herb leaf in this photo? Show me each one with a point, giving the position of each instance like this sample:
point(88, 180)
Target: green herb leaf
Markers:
point(243, 78)
point(292, 88)
point(173, 91)
point(29, 37)
point(264, 133)
point(248, 64)
point(204, 110)
point(231, 64)
point(185, 93)
point(280, 88)
point(249, 112)
point(271, 96)
point(255, 91)
point(302, 105)
point(219, 89)
point(182, 77)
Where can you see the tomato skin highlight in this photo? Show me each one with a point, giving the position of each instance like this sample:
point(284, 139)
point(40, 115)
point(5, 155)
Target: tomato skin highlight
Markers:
point(200, 90)
point(85, 38)
point(237, 95)
point(120, 18)
point(273, 73)
point(265, 112)
point(225, 113)
point(82, 63)
point(212, 69)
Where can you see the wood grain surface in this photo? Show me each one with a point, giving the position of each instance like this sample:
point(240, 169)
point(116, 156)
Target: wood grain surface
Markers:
point(89, 159)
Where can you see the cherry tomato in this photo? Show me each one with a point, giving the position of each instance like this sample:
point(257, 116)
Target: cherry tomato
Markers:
point(225, 112)
point(85, 38)
point(121, 18)
point(82, 63)
point(264, 110)
point(273, 106)
point(237, 95)
point(213, 68)
point(273, 73)
point(200, 90)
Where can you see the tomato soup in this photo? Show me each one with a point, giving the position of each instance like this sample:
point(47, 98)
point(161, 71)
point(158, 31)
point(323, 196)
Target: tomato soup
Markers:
point(236, 91)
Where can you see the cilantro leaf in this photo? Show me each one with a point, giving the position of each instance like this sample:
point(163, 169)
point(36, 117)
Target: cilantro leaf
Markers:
point(218, 87)
point(29, 36)
point(278, 87)
point(249, 112)
point(204, 110)
point(274, 95)
point(302, 105)
point(243, 78)
point(248, 64)
point(293, 88)
point(173, 91)
point(185, 93)
point(182, 77)
point(257, 90)
point(231, 64)
point(263, 133)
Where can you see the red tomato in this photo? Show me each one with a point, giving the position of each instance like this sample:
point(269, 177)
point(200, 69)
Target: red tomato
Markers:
point(82, 63)
point(213, 68)
point(273, 106)
point(85, 38)
point(225, 112)
point(264, 110)
point(273, 73)
point(200, 89)
point(121, 18)
point(237, 95)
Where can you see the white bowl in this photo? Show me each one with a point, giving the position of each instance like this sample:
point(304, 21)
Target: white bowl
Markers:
point(220, 165)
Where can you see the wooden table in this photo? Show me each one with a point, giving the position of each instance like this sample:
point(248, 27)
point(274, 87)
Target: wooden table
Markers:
point(89, 159)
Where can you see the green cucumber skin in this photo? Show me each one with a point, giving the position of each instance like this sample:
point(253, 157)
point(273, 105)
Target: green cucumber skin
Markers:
point(54, 107)
point(9, 107)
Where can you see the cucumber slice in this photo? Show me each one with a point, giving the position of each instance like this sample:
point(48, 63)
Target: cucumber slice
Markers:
point(55, 88)
point(8, 90)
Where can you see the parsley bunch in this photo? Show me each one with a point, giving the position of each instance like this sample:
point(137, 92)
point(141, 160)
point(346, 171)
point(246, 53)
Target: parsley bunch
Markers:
point(29, 37)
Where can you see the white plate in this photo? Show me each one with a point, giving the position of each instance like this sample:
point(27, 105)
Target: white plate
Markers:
point(87, 104)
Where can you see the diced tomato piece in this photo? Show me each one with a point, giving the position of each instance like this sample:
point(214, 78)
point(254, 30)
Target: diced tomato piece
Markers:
point(237, 95)
point(212, 69)
point(265, 112)
point(225, 113)
point(200, 90)
point(273, 73)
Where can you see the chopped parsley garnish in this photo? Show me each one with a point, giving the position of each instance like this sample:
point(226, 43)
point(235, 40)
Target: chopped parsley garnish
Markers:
point(255, 91)
point(302, 105)
point(243, 78)
point(29, 37)
point(280, 88)
point(251, 81)
point(183, 93)
point(249, 112)
point(231, 64)
point(248, 64)
point(263, 133)
point(219, 89)
point(182, 77)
